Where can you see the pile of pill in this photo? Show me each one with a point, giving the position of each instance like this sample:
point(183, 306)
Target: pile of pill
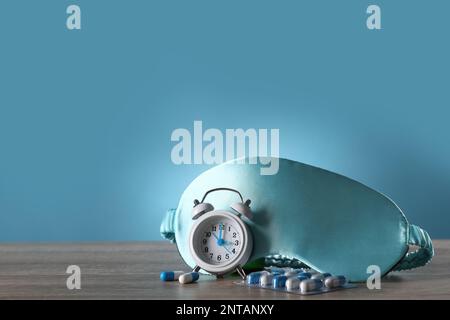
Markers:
point(296, 281)
point(181, 276)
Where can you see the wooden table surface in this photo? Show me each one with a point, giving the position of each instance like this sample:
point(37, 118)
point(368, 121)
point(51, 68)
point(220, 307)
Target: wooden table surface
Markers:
point(131, 271)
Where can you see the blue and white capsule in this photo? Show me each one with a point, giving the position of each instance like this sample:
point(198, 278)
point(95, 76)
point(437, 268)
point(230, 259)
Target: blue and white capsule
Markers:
point(266, 280)
point(335, 281)
point(302, 277)
point(311, 285)
point(305, 274)
point(292, 273)
point(188, 277)
point(254, 277)
point(292, 283)
point(170, 275)
point(277, 271)
point(321, 276)
point(279, 281)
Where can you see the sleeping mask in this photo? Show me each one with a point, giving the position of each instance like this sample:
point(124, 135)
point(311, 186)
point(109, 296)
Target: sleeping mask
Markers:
point(305, 216)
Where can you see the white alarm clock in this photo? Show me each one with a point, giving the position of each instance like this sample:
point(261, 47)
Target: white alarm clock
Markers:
point(220, 241)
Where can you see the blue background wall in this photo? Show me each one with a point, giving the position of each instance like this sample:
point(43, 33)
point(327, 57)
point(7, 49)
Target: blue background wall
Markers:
point(86, 116)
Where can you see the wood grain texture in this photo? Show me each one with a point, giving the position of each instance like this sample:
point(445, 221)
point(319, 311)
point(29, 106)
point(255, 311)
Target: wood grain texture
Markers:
point(131, 271)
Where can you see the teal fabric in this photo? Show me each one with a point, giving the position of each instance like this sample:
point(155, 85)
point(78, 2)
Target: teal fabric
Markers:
point(327, 221)
point(420, 257)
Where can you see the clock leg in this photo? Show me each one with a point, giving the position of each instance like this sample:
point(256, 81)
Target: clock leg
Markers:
point(241, 272)
point(196, 269)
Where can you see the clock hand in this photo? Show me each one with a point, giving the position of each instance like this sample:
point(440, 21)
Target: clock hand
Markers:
point(227, 249)
point(220, 235)
point(220, 241)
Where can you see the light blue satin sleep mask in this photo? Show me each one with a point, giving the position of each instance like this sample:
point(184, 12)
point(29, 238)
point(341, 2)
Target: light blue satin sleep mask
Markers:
point(307, 215)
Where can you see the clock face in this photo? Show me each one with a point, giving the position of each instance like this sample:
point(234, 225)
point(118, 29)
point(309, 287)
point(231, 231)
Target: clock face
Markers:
point(220, 242)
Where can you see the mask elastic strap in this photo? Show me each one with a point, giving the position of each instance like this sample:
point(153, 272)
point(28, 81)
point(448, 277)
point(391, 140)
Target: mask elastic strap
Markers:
point(420, 238)
point(167, 228)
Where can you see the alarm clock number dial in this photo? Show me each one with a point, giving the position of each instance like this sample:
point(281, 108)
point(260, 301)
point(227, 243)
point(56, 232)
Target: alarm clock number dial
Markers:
point(220, 242)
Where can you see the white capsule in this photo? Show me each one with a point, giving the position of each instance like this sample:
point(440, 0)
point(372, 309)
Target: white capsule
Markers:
point(188, 277)
point(310, 285)
point(292, 283)
point(335, 281)
point(266, 280)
